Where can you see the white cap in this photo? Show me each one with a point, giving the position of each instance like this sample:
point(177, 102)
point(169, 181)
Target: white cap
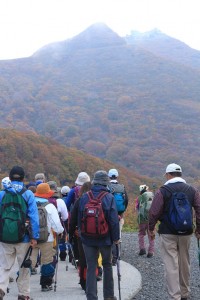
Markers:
point(142, 187)
point(171, 168)
point(65, 190)
point(113, 172)
point(82, 178)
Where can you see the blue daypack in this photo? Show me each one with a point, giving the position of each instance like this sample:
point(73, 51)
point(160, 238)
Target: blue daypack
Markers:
point(178, 215)
point(118, 191)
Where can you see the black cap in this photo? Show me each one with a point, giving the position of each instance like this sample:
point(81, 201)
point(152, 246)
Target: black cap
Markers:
point(16, 173)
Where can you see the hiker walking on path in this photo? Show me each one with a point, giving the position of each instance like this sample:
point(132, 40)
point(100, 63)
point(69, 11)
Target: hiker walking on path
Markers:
point(175, 234)
point(99, 237)
point(63, 214)
point(121, 199)
point(14, 240)
point(45, 246)
point(73, 228)
point(72, 197)
point(142, 206)
point(40, 178)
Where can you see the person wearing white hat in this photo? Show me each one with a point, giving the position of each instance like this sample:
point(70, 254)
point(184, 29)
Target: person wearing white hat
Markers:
point(175, 243)
point(74, 192)
point(72, 197)
point(142, 206)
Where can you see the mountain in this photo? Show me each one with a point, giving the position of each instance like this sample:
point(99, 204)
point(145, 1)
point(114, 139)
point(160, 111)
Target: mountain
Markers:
point(166, 47)
point(108, 97)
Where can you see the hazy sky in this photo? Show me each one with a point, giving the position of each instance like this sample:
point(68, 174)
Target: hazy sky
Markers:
point(27, 25)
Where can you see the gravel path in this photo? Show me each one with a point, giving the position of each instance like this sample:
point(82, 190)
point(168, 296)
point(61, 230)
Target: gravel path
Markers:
point(152, 270)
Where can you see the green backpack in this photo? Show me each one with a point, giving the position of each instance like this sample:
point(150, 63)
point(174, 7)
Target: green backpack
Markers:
point(145, 201)
point(13, 209)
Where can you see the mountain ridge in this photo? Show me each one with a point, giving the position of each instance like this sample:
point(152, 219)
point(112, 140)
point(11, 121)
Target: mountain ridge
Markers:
point(121, 102)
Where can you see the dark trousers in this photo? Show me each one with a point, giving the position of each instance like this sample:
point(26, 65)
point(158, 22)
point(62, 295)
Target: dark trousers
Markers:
point(91, 254)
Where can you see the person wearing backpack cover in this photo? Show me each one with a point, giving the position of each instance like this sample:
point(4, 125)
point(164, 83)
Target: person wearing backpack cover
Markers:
point(98, 238)
point(121, 199)
point(10, 250)
point(142, 205)
point(175, 233)
point(43, 192)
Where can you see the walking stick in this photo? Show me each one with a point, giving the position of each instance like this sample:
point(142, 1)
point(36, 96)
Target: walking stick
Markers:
point(56, 271)
point(118, 269)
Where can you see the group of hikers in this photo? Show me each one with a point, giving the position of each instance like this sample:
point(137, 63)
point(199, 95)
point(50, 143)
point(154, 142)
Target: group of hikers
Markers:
point(39, 222)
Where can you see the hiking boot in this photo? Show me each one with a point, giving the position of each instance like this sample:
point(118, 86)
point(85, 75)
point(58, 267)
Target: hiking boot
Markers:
point(83, 284)
point(2, 294)
point(111, 298)
point(33, 271)
point(149, 255)
point(99, 275)
point(183, 298)
point(46, 288)
point(142, 252)
point(21, 297)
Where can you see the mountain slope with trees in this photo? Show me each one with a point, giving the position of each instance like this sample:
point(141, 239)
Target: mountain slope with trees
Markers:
point(115, 100)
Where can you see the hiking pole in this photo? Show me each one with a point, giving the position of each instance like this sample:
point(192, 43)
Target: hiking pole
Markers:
point(73, 256)
point(56, 271)
point(118, 270)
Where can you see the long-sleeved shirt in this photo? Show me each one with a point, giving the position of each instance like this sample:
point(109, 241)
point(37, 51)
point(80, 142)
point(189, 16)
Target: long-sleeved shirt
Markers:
point(158, 205)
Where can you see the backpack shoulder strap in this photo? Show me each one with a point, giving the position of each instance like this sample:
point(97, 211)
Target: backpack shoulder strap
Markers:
point(99, 197)
point(172, 190)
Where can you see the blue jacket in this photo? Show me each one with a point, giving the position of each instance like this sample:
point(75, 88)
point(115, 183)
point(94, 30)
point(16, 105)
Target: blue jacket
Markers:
point(111, 215)
point(32, 210)
point(72, 197)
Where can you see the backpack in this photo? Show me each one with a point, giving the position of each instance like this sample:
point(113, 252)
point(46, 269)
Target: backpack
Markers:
point(13, 209)
point(53, 201)
point(93, 222)
point(178, 215)
point(145, 201)
point(43, 226)
point(118, 191)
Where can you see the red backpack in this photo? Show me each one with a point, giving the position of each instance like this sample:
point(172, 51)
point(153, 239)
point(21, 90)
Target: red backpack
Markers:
point(93, 223)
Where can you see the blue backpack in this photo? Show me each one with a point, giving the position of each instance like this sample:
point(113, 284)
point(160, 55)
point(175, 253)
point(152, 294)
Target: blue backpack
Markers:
point(118, 191)
point(178, 215)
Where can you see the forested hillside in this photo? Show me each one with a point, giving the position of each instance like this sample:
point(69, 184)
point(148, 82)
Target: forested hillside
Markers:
point(115, 100)
point(39, 154)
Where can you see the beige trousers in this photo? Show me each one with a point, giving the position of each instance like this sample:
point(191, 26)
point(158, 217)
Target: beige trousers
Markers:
point(47, 252)
point(175, 256)
point(8, 255)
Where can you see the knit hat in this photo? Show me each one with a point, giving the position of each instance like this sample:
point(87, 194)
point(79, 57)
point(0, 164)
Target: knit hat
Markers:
point(82, 178)
point(53, 185)
point(40, 176)
point(143, 187)
point(43, 190)
point(16, 173)
point(113, 173)
point(101, 178)
point(65, 190)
